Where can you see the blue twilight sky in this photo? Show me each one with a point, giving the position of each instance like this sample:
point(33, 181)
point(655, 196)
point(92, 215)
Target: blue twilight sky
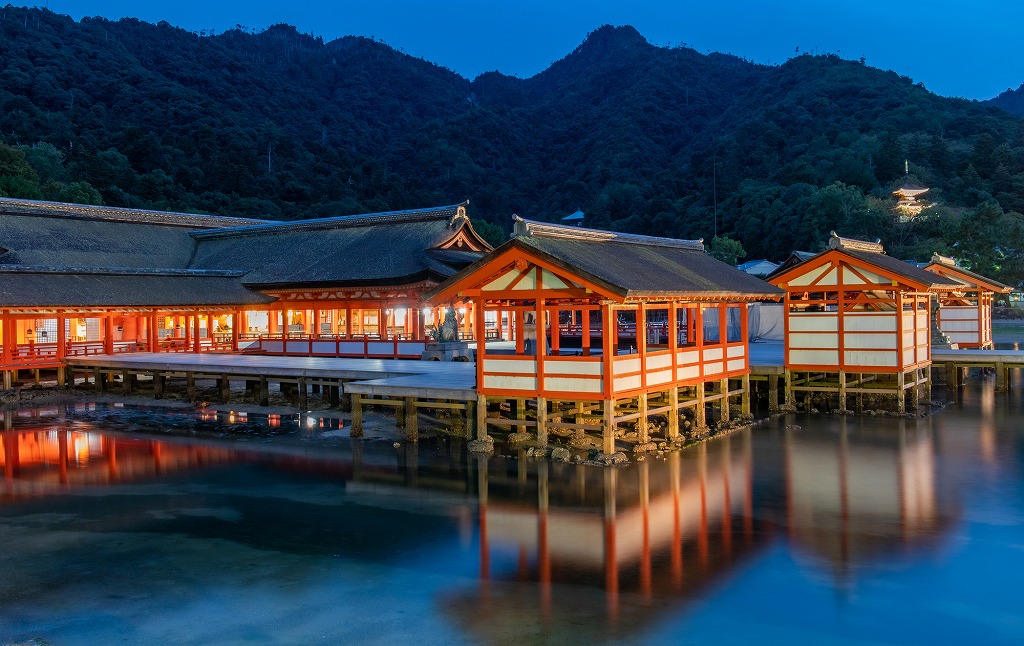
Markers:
point(968, 48)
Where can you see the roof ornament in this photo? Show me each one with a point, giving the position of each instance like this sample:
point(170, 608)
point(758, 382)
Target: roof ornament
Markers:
point(943, 260)
point(524, 227)
point(849, 244)
point(460, 214)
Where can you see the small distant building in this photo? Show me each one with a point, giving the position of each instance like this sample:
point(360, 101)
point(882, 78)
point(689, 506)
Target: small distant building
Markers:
point(908, 202)
point(965, 315)
point(794, 259)
point(575, 220)
point(858, 321)
point(759, 268)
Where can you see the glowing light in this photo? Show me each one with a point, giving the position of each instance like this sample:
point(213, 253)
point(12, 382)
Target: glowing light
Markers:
point(427, 311)
point(462, 311)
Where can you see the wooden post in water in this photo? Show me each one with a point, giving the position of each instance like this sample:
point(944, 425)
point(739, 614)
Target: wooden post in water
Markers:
point(723, 385)
point(699, 412)
point(673, 412)
point(264, 392)
point(842, 390)
point(642, 435)
point(412, 431)
point(745, 397)
point(481, 417)
point(225, 389)
point(542, 422)
point(357, 416)
point(608, 426)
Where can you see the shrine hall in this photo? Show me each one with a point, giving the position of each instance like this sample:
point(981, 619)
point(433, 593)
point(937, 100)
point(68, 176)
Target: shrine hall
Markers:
point(605, 328)
point(82, 280)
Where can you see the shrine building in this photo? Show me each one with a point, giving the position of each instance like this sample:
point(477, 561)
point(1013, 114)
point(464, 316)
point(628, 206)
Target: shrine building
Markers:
point(858, 322)
point(965, 315)
point(80, 280)
point(593, 329)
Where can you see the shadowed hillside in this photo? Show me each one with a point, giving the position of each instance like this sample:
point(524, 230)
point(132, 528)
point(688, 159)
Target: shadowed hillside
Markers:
point(647, 139)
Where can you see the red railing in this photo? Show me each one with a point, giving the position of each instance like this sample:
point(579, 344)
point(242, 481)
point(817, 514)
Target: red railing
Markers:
point(306, 345)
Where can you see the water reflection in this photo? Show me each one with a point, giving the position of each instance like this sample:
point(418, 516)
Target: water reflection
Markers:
point(295, 519)
point(861, 489)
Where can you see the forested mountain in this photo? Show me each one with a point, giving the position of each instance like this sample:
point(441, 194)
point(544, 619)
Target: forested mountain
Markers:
point(647, 139)
point(1010, 100)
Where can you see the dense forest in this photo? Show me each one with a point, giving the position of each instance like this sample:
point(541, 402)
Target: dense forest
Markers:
point(646, 139)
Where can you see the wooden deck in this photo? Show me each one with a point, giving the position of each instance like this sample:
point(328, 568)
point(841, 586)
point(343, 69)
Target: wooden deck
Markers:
point(452, 380)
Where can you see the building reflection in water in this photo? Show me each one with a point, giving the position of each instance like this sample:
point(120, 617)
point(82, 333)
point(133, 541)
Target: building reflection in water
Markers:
point(646, 538)
point(863, 492)
point(574, 552)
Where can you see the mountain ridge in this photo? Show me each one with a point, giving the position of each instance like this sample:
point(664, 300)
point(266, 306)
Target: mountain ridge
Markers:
point(643, 138)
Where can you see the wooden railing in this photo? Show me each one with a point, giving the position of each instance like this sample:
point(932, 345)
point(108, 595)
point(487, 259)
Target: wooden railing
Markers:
point(334, 346)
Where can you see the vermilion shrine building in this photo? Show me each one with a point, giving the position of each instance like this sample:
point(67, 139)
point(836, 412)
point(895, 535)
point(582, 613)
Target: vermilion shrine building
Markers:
point(858, 321)
point(626, 326)
point(965, 315)
point(97, 280)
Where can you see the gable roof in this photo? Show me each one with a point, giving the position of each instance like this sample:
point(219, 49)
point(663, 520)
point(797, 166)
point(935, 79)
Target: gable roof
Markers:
point(871, 253)
point(392, 248)
point(627, 265)
point(51, 233)
point(947, 267)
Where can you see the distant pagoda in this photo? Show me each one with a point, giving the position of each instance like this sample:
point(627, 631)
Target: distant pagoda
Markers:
point(908, 206)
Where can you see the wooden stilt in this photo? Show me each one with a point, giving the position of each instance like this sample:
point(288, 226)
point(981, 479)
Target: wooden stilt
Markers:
point(788, 384)
point(412, 431)
point(673, 412)
point(1002, 375)
point(608, 426)
point(264, 392)
point(190, 386)
point(158, 385)
point(745, 397)
point(357, 416)
point(773, 392)
point(901, 397)
point(542, 422)
point(699, 412)
point(641, 423)
point(842, 390)
point(303, 393)
point(225, 389)
point(481, 417)
point(723, 385)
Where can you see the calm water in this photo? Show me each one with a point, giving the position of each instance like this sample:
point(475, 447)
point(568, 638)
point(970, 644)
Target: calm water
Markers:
point(144, 526)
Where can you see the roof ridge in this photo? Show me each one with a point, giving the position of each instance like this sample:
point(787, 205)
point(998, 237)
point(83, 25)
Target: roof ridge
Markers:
point(119, 271)
point(18, 206)
point(524, 227)
point(836, 241)
point(451, 212)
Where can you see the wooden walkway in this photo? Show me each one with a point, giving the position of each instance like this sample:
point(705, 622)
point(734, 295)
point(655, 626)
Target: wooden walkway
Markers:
point(956, 362)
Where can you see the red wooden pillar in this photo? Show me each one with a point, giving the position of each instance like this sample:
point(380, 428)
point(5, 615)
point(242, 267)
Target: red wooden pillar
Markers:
point(8, 339)
point(196, 342)
point(237, 320)
point(108, 333)
point(61, 337)
point(316, 323)
point(151, 334)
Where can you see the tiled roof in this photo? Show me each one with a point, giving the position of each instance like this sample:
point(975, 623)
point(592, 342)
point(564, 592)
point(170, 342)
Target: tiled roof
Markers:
point(76, 287)
point(376, 249)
